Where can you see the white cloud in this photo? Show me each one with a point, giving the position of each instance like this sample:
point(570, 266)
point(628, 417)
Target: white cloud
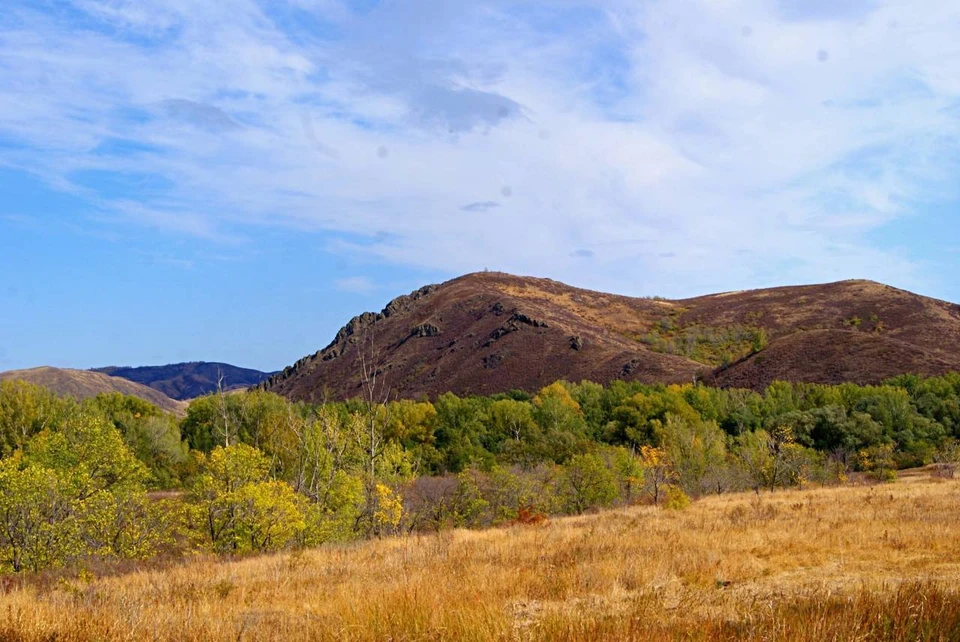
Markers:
point(656, 147)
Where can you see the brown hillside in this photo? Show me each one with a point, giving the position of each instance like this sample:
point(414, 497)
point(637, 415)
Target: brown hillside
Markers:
point(492, 332)
point(832, 356)
point(86, 383)
point(881, 309)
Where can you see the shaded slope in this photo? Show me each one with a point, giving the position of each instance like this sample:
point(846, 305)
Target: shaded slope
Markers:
point(864, 306)
point(85, 383)
point(832, 356)
point(188, 380)
point(492, 332)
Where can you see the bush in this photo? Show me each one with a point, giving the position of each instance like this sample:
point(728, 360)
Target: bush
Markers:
point(675, 499)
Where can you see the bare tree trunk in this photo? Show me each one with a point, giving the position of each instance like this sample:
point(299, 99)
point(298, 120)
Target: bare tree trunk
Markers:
point(223, 409)
point(376, 396)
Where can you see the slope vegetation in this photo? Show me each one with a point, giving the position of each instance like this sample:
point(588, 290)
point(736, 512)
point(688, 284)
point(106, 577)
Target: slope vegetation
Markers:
point(491, 332)
point(85, 383)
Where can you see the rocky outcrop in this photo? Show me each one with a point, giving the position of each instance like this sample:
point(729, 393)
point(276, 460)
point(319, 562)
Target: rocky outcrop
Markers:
point(350, 333)
point(425, 330)
point(519, 317)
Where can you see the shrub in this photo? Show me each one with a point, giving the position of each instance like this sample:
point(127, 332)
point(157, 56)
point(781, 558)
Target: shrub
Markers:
point(675, 499)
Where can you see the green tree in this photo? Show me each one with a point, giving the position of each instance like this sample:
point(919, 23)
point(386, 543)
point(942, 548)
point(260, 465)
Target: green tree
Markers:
point(91, 455)
point(629, 470)
point(27, 409)
point(127, 524)
point(517, 435)
point(461, 431)
point(879, 461)
point(559, 417)
point(753, 453)
point(152, 435)
point(696, 450)
point(589, 483)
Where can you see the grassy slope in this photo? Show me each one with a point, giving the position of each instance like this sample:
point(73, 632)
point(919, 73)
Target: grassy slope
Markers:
point(835, 564)
point(86, 383)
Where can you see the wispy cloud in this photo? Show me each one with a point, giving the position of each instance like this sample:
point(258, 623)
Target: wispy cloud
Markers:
point(480, 206)
point(21, 220)
point(746, 144)
point(355, 285)
point(199, 114)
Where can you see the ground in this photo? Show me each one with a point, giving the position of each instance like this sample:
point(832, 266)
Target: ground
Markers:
point(851, 562)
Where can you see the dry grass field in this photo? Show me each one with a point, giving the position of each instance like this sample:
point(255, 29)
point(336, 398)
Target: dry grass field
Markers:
point(850, 563)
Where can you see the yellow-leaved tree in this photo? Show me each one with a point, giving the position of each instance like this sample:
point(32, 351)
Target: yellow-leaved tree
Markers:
point(238, 508)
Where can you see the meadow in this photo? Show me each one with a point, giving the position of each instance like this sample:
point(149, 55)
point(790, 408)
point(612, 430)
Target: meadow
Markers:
point(869, 562)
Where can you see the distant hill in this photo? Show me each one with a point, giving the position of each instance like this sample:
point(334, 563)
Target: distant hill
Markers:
point(188, 380)
point(492, 332)
point(85, 383)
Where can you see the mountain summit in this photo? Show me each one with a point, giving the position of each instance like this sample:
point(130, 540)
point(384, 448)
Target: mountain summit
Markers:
point(492, 332)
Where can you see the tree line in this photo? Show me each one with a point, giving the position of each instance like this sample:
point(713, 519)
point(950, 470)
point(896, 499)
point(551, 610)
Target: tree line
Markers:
point(253, 472)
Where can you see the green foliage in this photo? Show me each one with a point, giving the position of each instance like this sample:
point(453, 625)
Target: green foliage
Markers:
point(152, 435)
point(265, 474)
point(629, 471)
point(26, 409)
point(91, 456)
point(589, 483)
point(516, 435)
point(76, 493)
point(697, 451)
point(508, 493)
point(461, 432)
point(853, 322)
point(255, 417)
point(334, 516)
point(127, 525)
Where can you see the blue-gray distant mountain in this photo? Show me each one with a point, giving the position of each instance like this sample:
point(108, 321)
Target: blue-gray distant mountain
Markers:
point(188, 380)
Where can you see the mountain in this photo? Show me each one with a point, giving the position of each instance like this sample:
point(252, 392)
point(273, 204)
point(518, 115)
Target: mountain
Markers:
point(86, 383)
point(188, 380)
point(491, 332)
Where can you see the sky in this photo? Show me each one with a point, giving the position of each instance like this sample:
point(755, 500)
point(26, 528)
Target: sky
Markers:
point(187, 180)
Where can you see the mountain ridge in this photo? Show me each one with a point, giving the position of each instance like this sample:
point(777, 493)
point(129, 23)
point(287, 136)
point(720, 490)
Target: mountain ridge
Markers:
point(490, 332)
point(190, 379)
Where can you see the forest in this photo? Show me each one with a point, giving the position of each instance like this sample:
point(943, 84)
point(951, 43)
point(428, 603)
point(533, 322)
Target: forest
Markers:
point(114, 478)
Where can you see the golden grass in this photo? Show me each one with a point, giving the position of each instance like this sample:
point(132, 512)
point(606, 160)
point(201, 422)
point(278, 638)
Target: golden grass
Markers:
point(854, 563)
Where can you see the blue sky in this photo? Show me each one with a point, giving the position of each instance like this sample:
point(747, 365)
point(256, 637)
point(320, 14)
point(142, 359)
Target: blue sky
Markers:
point(233, 180)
